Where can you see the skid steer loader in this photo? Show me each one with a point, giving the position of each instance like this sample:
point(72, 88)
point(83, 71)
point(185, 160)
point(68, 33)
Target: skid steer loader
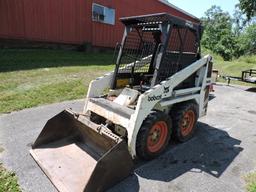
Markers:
point(158, 90)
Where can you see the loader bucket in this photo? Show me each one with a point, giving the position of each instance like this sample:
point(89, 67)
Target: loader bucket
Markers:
point(78, 155)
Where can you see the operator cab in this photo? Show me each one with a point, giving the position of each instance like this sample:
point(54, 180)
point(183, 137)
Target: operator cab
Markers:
point(155, 47)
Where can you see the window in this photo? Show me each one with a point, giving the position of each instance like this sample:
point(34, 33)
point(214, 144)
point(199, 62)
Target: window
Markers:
point(103, 14)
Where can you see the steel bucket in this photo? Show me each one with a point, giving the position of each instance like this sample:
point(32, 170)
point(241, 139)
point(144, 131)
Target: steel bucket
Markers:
point(78, 155)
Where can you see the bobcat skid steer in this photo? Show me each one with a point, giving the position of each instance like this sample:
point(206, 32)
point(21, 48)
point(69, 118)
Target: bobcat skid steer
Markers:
point(158, 90)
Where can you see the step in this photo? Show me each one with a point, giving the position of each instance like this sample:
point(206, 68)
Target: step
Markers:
point(110, 110)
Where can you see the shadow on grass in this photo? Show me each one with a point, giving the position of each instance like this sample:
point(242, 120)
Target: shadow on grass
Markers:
point(26, 59)
point(211, 151)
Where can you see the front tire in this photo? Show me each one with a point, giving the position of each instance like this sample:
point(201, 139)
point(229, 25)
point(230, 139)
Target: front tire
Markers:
point(154, 135)
point(184, 117)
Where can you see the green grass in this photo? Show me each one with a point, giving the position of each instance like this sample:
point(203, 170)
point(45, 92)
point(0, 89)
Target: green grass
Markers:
point(8, 181)
point(33, 77)
point(234, 67)
point(26, 59)
point(251, 182)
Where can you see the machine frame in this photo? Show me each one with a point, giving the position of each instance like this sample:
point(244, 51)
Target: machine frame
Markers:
point(159, 77)
point(160, 95)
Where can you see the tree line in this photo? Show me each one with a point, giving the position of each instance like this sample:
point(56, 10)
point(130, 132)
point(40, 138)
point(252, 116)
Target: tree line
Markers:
point(231, 36)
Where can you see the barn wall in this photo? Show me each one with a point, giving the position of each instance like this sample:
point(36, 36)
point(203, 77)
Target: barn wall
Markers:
point(107, 35)
point(66, 21)
point(12, 18)
point(61, 21)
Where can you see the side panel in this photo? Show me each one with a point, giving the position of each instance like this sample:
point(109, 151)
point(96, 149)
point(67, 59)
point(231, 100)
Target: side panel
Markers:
point(97, 87)
point(159, 93)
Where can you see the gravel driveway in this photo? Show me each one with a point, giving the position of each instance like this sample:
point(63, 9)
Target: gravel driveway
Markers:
point(216, 159)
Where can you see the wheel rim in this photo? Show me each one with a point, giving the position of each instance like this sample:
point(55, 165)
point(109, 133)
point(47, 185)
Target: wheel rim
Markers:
point(187, 123)
point(157, 136)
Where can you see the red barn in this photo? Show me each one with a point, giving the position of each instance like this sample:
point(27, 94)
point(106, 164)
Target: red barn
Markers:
point(77, 21)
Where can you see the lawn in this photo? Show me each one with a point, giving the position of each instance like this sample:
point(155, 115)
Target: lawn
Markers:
point(8, 181)
point(233, 68)
point(34, 77)
point(251, 182)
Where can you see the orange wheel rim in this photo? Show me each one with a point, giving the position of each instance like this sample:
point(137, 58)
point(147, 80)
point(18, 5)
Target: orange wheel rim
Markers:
point(187, 123)
point(157, 136)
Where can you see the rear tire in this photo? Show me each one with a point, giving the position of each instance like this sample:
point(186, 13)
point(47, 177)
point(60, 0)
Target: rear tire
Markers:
point(154, 135)
point(184, 117)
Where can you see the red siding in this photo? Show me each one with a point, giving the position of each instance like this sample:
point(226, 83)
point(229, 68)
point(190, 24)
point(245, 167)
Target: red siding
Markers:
point(66, 21)
point(106, 35)
point(12, 22)
point(56, 21)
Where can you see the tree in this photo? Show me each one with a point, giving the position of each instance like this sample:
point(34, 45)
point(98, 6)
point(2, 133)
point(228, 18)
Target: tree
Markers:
point(248, 7)
point(239, 21)
point(247, 40)
point(218, 35)
point(229, 36)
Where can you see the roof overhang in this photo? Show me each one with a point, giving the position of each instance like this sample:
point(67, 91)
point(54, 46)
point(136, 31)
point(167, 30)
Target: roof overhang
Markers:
point(159, 18)
point(179, 9)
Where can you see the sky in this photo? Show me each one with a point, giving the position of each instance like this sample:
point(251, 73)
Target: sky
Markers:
point(198, 7)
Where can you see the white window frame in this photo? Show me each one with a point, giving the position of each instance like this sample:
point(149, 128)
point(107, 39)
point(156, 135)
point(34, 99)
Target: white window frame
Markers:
point(104, 12)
